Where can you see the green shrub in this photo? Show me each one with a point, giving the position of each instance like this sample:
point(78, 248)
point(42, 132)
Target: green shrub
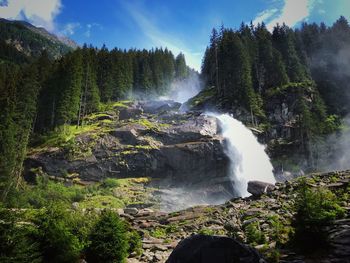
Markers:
point(110, 183)
point(47, 191)
point(280, 231)
point(158, 233)
point(135, 243)
point(254, 234)
point(15, 242)
point(56, 235)
point(316, 208)
point(108, 240)
point(206, 231)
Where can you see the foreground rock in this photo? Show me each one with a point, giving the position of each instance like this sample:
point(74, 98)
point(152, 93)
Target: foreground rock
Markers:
point(257, 188)
point(209, 249)
point(248, 220)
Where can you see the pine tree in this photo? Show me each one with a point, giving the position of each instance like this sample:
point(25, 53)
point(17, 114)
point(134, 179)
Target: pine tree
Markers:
point(71, 85)
point(181, 71)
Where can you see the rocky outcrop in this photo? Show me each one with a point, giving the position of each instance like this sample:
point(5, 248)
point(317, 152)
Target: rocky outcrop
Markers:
point(174, 149)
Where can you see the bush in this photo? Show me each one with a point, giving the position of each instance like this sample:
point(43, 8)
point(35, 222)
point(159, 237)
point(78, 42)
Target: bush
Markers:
point(110, 183)
point(15, 242)
point(254, 234)
point(316, 208)
point(46, 192)
point(135, 243)
point(56, 235)
point(108, 240)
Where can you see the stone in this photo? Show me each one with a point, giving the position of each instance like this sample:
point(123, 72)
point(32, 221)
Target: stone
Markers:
point(75, 205)
point(159, 247)
point(257, 188)
point(209, 249)
point(129, 113)
point(131, 211)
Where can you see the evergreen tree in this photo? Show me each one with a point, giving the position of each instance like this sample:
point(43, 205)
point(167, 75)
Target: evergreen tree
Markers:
point(181, 71)
point(71, 88)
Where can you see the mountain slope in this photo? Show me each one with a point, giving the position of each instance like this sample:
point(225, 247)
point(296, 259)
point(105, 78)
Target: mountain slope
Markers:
point(30, 41)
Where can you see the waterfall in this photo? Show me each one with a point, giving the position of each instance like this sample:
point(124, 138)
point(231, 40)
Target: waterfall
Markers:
point(248, 159)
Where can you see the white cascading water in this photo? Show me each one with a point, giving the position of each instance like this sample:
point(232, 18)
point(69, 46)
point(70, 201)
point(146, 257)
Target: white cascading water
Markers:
point(249, 161)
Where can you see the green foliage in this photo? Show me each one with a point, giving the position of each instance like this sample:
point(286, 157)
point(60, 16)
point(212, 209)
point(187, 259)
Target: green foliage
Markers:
point(158, 232)
point(316, 207)
point(16, 244)
point(109, 240)
point(45, 193)
point(202, 97)
point(281, 231)
point(110, 183)
point(56, 235)
point(206, 231)
point(254, 234)
point(135, 243)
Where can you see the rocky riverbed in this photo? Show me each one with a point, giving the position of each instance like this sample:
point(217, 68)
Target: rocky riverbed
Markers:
point(270, 215)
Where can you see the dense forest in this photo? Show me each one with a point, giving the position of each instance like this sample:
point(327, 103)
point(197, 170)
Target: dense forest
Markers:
point(42, 95)
point(247, 64)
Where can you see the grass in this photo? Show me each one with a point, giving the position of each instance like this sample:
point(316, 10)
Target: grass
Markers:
point(202, 96)
point(63, 136)
point(158, 233)
point(150, 125)
point(102, 201)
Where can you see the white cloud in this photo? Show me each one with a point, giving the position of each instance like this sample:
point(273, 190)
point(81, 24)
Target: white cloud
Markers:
point(163, 39)
point(70, 28)
point(265, 16)
point(292, 12)
point(38, 12)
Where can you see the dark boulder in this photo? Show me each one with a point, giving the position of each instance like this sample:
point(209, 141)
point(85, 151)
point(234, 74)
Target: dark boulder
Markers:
point(209, 249)
point(257, 188)
point(130, 113)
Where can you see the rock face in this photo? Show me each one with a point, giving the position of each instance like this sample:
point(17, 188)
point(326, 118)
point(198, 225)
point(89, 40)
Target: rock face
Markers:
point(177, 149)
point(208, 249)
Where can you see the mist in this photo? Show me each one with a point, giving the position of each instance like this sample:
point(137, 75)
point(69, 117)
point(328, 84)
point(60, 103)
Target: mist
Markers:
point(333, 152)
point(183, 90)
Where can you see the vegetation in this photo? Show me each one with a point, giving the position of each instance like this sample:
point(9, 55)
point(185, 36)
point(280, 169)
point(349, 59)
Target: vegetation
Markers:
point(55, 234)
point(109, 240)
point(60, 94)
point(316, 208)
point(248, 66)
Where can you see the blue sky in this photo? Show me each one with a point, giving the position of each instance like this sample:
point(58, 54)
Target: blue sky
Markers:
point(182, 26)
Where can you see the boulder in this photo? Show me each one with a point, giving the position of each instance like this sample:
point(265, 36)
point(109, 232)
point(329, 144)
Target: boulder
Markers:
point(257, 188)
point(209, 249)
point(129, 113)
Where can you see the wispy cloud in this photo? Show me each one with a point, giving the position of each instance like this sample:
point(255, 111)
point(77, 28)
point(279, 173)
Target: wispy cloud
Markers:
point(38, 12)
point(265, 16)
point(70, 28)
point(159, 38)
point(89, 28)
point(291, 13)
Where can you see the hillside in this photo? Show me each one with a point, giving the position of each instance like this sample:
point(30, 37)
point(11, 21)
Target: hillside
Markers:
point(163, 161)
point(31, 41)
point(97, 164)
